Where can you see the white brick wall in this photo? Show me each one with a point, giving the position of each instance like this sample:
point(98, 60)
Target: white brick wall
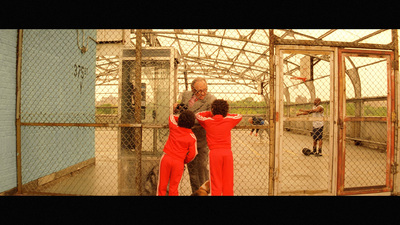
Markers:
point(8, 168)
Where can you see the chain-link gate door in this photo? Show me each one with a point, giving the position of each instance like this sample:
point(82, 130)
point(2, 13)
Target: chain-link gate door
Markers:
point(305, 74)
point(366, 106)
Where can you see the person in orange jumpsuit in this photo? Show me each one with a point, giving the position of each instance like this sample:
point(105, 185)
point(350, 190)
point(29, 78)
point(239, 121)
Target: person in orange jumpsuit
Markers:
point(179, 149)
point(218, 125)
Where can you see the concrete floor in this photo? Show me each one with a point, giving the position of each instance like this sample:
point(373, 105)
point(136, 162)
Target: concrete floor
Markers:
point(363, 167)
point(297, 173)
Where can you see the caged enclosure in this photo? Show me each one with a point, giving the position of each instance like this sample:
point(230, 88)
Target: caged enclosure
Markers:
point(94, 108)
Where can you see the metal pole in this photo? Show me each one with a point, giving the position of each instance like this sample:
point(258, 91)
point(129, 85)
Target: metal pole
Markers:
point(339, 44)
point(272, 113)
point(396, 177)
point(138, 110)
point(18, 112)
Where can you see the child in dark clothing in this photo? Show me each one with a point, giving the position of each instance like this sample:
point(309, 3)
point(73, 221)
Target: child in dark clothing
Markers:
point(258, 121)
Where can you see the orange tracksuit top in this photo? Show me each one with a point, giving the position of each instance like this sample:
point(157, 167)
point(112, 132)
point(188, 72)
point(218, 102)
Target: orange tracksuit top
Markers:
point(181, 143)
point(218, 129)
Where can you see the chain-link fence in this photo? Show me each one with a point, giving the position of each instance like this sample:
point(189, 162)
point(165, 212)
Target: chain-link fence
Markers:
point(306, 78)
point(82, 132)
point(356, 133)
point(367, 129)
point(79, 131)
point(57, 87)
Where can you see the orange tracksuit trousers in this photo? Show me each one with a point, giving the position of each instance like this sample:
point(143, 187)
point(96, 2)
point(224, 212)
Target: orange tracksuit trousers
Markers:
point(171, 170)
point(221, 172)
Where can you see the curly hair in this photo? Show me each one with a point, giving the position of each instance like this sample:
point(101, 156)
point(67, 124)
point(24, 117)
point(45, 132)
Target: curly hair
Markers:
point(219, 107)
point(186, 119)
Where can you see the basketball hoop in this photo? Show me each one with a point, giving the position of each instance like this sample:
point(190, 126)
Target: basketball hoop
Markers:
point(299, 78)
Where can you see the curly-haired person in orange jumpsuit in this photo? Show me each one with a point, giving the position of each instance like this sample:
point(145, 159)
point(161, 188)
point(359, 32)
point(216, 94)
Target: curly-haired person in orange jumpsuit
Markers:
point(218, 125)
point(179, 149)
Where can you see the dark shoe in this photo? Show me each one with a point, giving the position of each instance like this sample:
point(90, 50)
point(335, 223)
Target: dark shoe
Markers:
point(318, 154)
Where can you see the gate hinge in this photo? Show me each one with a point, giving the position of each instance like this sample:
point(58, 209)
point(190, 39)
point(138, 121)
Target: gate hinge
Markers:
point(394, 117)
point(340, 124)
point(276, 59)
point(275, 177)
point(393, 168)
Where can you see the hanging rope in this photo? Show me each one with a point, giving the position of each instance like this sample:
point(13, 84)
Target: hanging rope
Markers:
point(82, 47)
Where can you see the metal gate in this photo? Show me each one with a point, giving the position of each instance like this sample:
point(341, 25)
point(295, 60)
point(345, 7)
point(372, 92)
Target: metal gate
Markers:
point(357, 94)
point(366, 122)
point(304, 74)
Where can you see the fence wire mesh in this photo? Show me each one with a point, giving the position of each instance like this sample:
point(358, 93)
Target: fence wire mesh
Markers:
point(366, 140)
point(307, 77)
point(75, 156)
point(80, 136)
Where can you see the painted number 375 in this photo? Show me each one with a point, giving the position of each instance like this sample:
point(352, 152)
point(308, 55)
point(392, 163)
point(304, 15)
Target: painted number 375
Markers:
point(80, 71)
